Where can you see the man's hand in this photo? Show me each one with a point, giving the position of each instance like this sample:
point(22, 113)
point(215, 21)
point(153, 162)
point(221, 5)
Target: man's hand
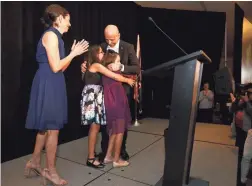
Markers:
point(84, 67)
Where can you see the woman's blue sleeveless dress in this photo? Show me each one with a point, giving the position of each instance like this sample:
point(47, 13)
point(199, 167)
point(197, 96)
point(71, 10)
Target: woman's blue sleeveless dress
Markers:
point(48, 99)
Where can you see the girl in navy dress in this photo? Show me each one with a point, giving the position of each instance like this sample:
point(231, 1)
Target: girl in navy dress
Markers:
point(47, 111)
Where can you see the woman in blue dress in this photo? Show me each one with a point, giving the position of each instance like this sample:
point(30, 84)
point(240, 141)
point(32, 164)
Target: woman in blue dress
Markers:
point(47, 111)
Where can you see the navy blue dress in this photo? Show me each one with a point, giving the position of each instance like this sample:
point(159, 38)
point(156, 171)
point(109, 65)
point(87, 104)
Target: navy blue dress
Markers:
point(48, 99)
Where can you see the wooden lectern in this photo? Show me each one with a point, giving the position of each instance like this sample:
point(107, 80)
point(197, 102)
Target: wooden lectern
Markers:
point(179, 136)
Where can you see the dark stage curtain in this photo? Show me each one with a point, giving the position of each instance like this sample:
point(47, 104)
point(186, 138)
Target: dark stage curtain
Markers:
point(193, 31)
point(21, 30)
point(239, 15)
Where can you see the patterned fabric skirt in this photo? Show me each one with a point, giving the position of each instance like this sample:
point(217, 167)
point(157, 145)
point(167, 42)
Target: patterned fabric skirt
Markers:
point(92, 105)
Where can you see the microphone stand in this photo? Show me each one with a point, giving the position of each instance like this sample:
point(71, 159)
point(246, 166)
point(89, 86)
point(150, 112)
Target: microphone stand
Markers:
point(151, 20)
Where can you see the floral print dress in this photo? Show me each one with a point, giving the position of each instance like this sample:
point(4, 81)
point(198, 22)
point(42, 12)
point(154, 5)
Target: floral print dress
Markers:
point(92, 102)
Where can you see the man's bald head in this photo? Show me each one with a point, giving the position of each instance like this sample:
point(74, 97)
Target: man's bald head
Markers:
point(112, 35)
point(111, 29)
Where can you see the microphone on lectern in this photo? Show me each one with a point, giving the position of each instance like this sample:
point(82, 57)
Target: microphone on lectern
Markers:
point(150, 19)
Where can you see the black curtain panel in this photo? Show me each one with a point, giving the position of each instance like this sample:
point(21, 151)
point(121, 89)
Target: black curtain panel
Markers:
point(21, 31)
point(192, 31)
point(237, 58)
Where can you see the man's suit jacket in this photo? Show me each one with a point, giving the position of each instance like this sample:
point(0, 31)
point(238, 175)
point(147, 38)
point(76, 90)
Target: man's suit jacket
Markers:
point(128, 59)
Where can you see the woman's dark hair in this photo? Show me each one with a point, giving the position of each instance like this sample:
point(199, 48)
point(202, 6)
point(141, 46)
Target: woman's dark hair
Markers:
point(109, 57)
point(93, 55)
point(51, 13)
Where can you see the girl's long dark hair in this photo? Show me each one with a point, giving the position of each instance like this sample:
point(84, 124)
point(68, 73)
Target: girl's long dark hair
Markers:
point(92, 55)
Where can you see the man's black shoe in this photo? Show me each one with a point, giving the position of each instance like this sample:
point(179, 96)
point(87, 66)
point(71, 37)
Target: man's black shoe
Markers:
point(124, 155)
point(101, 156)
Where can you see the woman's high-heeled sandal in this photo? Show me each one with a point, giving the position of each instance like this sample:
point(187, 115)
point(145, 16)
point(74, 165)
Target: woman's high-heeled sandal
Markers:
point(29, 168)
point(48, 177)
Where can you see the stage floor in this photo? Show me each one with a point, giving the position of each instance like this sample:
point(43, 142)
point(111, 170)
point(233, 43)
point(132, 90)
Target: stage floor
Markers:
point(214, 159)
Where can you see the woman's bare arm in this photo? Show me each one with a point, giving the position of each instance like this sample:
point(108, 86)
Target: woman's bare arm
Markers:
point(50, 42)
point(96, 67)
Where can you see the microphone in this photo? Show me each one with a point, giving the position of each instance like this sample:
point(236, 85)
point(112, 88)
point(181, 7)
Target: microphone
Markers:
point(150, 19)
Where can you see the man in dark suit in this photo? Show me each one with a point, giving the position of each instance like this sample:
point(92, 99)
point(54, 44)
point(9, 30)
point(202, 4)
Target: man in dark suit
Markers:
point(129, 65)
